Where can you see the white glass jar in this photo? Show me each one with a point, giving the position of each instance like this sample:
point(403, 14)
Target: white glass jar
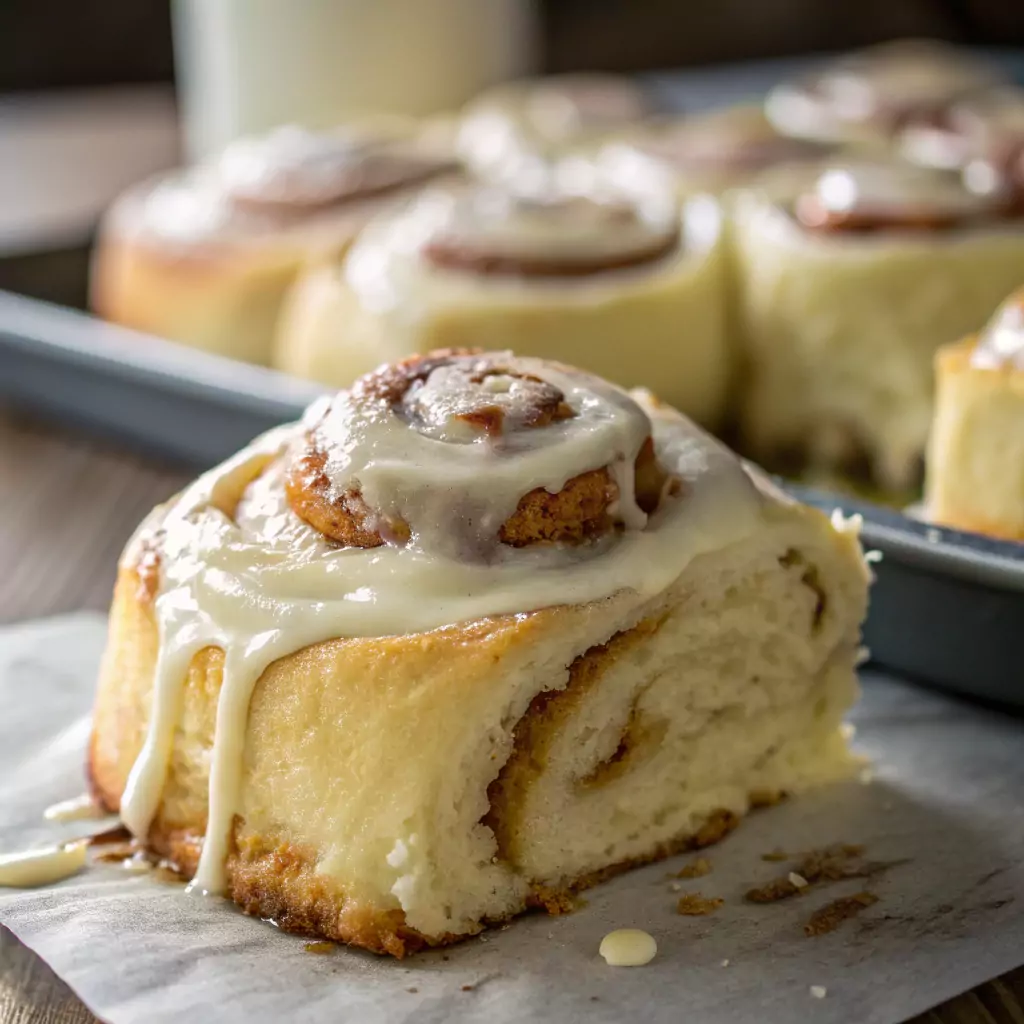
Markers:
point(248, 65)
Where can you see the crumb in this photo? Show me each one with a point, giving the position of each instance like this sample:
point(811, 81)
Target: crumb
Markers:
point(595, 999)
point(725, 962)
point(829, 917)
point(675, 887)
point(468, 988)
point(551, 935)
point(413, 989)
point(829, 864)
point(693, 904)
point(696, 869)
point(775, 855)
point(765, 798)
point(775, 890)
point(445, 957)
point(819, 991)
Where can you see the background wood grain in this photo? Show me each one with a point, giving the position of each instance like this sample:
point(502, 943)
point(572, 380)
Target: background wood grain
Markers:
point(67, 506)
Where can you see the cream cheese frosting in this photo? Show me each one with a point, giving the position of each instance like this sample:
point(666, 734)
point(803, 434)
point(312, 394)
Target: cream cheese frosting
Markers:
point(253, 579)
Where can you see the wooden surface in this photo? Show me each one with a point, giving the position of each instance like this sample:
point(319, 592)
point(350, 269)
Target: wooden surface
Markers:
point(66, 508)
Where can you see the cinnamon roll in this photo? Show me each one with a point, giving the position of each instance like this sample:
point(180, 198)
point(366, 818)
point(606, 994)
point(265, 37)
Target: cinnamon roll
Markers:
point(866, 96)
point(618, 282)
point(975, 472)
point(986, 127)
point(204, 256)
point(719, 151)
point(521, 128)
point(479, 631)
point(847, 290)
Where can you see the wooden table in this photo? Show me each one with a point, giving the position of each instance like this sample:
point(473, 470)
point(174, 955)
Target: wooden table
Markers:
point(67, 506)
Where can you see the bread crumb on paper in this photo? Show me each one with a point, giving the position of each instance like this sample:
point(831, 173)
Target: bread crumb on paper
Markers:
point(693, 904)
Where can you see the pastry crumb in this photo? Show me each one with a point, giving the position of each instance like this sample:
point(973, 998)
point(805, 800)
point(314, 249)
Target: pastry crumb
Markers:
point(798, 880)
point(693, 904)
point(775, 856)
point(414, 989)
point(829, 917)
point(696, 869)
point(819, 991)
point(725, 962)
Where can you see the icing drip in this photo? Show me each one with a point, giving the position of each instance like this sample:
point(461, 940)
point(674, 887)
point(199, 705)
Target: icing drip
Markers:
point(241, 572)
point(1002, 343)
point(43, 866)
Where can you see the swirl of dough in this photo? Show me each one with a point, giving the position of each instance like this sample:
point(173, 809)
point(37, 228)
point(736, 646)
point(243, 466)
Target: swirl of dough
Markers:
point(460, 451)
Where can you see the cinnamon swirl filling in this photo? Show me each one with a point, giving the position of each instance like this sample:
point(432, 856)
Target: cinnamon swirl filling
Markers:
point(497, 232)
point(502, 407)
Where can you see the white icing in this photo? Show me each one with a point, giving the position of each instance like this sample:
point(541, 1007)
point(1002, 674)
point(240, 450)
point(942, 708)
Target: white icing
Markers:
point(264, 585)
point(390, 277)
point(44, 866)
point(75, 809)
point(290, 171)
point(896, 190)
point(1002, 343)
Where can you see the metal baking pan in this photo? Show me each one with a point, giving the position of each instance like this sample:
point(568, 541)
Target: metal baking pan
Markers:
point(947, 607)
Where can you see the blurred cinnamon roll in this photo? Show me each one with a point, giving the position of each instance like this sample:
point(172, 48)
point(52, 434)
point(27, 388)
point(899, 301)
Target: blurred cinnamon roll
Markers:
point(975, 472)
point(523, 128)
point(617, 281)
point(204, 256)
point(719, 151)
point(866, 96)
point(847, 291)
point(478, 632)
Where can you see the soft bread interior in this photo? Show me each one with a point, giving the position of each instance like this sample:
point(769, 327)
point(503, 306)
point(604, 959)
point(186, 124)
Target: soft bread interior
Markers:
point(424, 784)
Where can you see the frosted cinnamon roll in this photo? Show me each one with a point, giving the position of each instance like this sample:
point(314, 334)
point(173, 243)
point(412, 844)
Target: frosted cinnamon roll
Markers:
point(847, 291)
point(719, 151)
point(987, 127)
point(619, 282)
point(975, 471)
point(520, 128)
point(866, 96)
point(478, 632)
point(204, 256)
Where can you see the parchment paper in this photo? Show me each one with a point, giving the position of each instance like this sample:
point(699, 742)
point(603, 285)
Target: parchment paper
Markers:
point(948, 797)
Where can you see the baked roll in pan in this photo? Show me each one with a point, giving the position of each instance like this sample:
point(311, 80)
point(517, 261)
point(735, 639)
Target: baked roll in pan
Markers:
point(622, 284)
point(479, 632)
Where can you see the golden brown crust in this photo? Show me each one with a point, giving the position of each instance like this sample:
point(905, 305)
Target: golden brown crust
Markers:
point(270, 876)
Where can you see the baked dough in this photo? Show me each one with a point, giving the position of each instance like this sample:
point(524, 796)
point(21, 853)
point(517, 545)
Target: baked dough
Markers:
point(846, 293)
point(975, 477)
point(865, 96)
point(552, 631)
point(526, 128)
point(720, 151)
point(205, 256)
point(619, 283)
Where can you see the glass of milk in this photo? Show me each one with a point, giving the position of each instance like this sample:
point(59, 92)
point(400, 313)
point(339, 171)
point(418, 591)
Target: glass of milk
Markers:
point(246, 66)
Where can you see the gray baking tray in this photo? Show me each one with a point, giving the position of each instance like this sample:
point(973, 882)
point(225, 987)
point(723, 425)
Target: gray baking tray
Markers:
point(947, 607)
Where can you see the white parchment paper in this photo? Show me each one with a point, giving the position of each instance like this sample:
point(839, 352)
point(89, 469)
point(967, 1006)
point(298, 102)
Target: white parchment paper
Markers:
point(948, 797)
